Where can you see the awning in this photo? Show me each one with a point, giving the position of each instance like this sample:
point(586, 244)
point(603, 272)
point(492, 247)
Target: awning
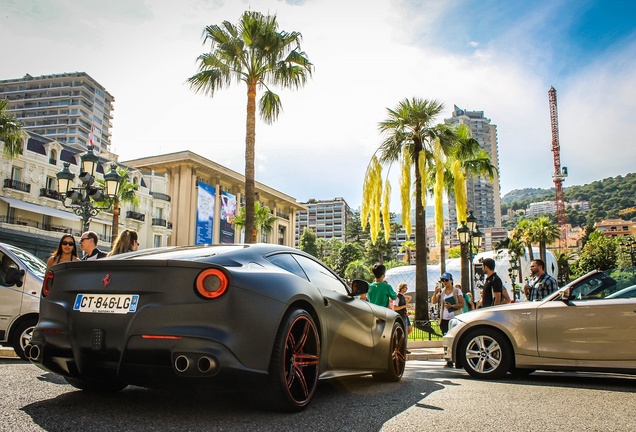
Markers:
point(40, 209)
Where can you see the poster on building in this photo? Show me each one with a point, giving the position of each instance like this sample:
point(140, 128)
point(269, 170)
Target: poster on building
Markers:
point(228, 211)
point(205, 214)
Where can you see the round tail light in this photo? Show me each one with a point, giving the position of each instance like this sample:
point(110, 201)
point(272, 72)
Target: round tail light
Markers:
point(212, 283)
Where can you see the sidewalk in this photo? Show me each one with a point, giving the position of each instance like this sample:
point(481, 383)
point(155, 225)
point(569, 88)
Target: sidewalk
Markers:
point(7, 352)
point(425, 350)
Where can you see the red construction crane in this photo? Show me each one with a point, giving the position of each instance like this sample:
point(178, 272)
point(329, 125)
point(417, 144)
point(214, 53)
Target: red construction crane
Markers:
point(559, 173)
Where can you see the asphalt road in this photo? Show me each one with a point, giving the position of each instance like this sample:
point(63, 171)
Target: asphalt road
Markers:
point(429, 398)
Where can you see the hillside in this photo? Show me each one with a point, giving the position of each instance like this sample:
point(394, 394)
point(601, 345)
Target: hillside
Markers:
point(607, 197)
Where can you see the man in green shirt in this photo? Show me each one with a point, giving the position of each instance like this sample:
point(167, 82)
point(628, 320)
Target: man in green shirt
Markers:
point(380, 292)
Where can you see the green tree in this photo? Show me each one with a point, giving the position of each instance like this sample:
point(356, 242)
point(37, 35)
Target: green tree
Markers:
point(409, 137)
point(126, 194)
point(358, 269)
point(348, 253)
point(10, 132)
point(544, 232)
point(264, 221)
point(307, 242)
point(254, 52)
point(600, 252)
point(408, 247)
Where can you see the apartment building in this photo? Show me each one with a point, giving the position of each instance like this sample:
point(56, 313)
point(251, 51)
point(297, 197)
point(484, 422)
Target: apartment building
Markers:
point(483, 194)
point(327, 218)
point(63, 107)
point(33, 217)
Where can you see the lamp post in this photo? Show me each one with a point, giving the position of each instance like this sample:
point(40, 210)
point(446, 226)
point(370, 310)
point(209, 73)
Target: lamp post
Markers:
point(628, 246)
point(469, 235)
point(83, 198)
point(513, 271)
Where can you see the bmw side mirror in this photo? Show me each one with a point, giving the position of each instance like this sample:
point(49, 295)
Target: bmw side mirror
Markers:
point(565, 294)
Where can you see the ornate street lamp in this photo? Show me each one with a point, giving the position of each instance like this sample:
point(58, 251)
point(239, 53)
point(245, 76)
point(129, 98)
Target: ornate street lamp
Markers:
point(513, 271)
point(83, 199)
point(469, 235)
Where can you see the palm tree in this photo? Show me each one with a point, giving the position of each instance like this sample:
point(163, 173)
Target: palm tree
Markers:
point(544, 232)
point(408, 247)
point(126, 194)
point(523, 232)
point(409, 138)
point(466, 158)
point(263, 220)
point(10, 132)
point(256, 53)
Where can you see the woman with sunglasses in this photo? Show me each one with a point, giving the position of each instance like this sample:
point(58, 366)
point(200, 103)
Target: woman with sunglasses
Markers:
point(66, 251)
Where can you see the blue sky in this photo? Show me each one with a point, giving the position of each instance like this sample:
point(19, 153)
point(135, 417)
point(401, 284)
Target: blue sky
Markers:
point(497, 56)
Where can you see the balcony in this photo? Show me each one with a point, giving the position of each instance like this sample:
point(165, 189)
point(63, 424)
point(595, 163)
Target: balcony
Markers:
point(49, 193)
point(160, 196)
point(136, 216)
point(17, 185)
point(159, 222)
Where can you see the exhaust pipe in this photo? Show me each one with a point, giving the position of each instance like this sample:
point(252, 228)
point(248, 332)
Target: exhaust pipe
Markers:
point(181, 363)
point(206, 364)
point(27, 351)
point(33, 352)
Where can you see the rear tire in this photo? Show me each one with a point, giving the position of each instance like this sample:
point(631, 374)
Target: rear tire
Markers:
point(396, 356)
point(486, 354)
point(22, 337)
point(295, 364)
point(95, 386)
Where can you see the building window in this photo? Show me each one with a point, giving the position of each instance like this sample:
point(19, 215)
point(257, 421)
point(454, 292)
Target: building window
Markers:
point(53, 157)
point(16, 173)
point(156, 241)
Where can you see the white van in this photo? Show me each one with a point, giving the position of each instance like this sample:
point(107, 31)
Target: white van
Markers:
point(21, 276)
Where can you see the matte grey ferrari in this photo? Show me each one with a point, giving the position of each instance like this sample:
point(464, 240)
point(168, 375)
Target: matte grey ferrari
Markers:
point(271, 319)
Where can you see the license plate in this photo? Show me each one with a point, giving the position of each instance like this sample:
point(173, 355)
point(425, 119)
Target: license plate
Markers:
point(105, 303)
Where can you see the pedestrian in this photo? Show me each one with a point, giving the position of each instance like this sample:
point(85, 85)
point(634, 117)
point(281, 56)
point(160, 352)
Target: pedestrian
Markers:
point(493, 286)
point(66, 251)
point(88, 243)
point(452, 299)
point(468, 300)
point(126, 241)
point(401, 307)
point(542, 284)
point(380, 292)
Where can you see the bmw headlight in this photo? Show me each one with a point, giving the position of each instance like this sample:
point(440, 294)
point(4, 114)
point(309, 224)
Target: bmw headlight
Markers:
point(454, 322)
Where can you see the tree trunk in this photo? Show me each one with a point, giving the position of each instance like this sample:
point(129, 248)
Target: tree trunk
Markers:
point(421, 277)
point(250, 144)
point(465, 269)
point(442, 255)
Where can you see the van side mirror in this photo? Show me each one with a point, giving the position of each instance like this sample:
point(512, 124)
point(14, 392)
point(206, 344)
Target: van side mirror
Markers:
point(15, 277)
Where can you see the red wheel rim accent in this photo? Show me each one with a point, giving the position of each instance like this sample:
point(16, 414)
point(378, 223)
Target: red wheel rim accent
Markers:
point(302, 359)
point(398, 351)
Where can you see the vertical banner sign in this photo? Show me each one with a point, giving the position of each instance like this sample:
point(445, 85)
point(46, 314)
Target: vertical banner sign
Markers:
point(205, 214)
point(228, 211)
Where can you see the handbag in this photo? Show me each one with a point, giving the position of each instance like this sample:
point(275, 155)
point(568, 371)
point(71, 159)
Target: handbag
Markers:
point(458, 311)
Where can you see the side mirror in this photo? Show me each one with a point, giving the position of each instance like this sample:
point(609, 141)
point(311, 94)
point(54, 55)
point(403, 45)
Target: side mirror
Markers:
point(15, 277)
point(565, 294)
point(359, 287)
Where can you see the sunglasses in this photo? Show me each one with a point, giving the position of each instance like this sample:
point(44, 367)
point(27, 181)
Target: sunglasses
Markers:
point(444, 280)
point(68, 243)
point(82, 239)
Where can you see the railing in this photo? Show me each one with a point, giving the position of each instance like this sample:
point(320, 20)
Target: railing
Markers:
point(49, 193)
point(159, 222)
point(17, 185)
point(135, 215)
point(35, 224)
point(160, 196)
point(282, 215)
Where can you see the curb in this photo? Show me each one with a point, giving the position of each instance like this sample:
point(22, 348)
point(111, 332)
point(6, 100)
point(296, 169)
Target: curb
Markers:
point(7, 352)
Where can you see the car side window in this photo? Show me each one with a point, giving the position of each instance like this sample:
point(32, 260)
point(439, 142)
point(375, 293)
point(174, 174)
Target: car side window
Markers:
point(321, 276)
point(287, 262)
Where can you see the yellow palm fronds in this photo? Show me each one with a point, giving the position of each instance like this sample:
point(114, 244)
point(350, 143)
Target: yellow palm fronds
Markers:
point(421, 166)
point(386, 217)
point(405, 192)
point(461, 203)
point(371, 195)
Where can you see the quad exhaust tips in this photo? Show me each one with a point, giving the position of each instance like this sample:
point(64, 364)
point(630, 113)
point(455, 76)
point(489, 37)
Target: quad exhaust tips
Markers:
point(32, 352)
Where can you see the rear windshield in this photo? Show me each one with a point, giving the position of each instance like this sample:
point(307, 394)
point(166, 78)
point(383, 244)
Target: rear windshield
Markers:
point(186, 254)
